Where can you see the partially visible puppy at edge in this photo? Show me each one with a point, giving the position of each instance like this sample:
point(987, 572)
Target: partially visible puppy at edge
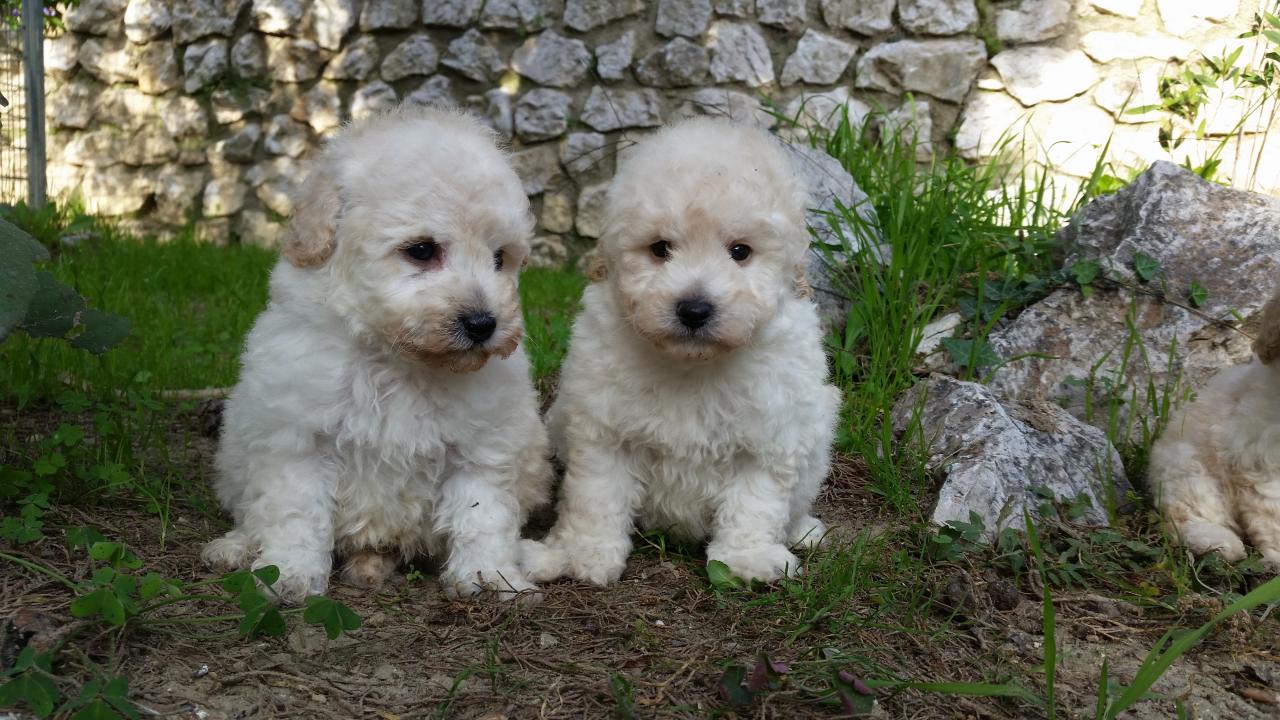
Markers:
point(694, 395)
point(384, 407)
point(1215, 472)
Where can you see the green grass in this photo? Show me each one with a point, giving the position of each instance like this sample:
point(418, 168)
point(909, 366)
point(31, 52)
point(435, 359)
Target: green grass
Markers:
point(191, 305)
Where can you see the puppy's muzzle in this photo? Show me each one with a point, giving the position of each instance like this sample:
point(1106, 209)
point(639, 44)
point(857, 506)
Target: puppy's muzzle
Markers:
point(477, 325)
point(695, 313)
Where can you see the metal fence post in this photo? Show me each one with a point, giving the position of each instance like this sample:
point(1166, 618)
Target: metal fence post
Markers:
point(33, 66)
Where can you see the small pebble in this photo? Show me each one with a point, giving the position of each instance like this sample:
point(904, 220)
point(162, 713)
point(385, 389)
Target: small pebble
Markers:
point(201, 671)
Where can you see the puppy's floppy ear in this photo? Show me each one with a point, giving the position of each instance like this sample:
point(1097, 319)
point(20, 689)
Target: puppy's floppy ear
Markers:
point(313, 228)
point(801, 286)
point(1267, 343)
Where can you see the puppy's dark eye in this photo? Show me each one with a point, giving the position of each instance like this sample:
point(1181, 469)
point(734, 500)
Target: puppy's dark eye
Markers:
point(739, 252)
point(661, 249)
point(498, 257)
point(424, 251)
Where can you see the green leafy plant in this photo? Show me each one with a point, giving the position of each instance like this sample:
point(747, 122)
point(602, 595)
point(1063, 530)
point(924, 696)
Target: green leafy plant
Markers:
point(34, 302)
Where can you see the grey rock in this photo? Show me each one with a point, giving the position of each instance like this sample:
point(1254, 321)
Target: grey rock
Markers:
point(149, 145)
point(195, 19)
point(1123, 8)
point(613, 58)
point(240, 146)
point(417, 55)
point(683, 17)
point(203, 63)
point(276, 182)
point(813, 111)
point(1038, 74)
point(542, 114)
point(494, 109)
point(96, 17)
point(97, 148)
point(255, 227)
point(278, 17)
point(473, 56)
point(584, 15)
point(231, 106)
point(938, 17)
point(519, 14)
point(285, 136)
point(1185, 17)
point(320, 107)
point(1106, 46)
point(1033, 21)
point(996, 455)
point(557, 212)
point(389, 14)
point(549, 58)
point(63, 180)
point(547, 251)
point(735, 8)
point(819, 58)
point(331, 20)
point(450, 13)
point(1197, 231)
point(111, 60)
point(739, 53)
point(911, 124)
point(158, 68)
point(944, 69)
point(538, 167)
point(183, 117)
point(679, 63)
point(730, 104)
point(376, 97)
point(125, 106)
point(591, 204)
point(435, 91)
point(293, 60)
point(249, 56)
point(177, 189)
point(830, 188)
point(71, 106)
point(586, 155)
point(116, 190)
point(146, 20)
point(223, 196)
point(865, 17)
point(356, 61)
point(786, 14)
point(61, 54)
point(607, 110)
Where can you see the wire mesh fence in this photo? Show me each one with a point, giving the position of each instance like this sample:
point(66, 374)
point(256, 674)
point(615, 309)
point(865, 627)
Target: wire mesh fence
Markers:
point(13, 110)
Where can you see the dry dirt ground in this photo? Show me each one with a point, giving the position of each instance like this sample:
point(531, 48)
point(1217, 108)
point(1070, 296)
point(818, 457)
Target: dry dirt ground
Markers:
point(655, 645)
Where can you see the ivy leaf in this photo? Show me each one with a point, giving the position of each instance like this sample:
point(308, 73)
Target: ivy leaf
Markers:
point(1146, 266)
point(268, 574)
point(854, 696)
point(731, 688)
point(963, 352)
point(37, 691)
point(264, 619)
point(1197, 295)
point(333, 615)
point(1085, 271)
point(721, 577)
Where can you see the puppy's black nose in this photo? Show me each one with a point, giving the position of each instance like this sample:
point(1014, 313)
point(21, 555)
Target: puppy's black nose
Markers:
point(694, 314)
point(478, 325)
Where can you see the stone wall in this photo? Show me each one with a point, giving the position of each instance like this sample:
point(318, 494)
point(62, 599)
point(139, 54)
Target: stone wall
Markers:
point(170, 112)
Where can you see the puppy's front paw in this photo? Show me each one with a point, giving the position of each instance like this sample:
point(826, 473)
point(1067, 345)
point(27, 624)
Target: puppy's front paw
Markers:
point(808, 532)
point(233, 551)
point(1204, 537)
point(756, 562)
point(542, 561)
point(599, 563)
point(301, 575)
point(505, 583)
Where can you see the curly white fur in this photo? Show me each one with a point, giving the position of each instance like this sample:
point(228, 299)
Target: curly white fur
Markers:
point(365, 421)
point(719, 432)
point(1215, 472)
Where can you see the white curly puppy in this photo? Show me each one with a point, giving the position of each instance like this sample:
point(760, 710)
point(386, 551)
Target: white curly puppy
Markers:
point(384, 407)
point(694, 394)
point(1215, 472)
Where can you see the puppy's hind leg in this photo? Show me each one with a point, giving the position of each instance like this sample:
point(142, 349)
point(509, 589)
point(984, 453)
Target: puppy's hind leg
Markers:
point(1193, 502)
point(1259, 507)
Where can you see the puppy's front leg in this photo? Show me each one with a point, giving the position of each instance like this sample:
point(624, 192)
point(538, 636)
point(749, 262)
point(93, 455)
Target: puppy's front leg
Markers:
point(592, 535)
point(289, 510)
point(480, 515)
point(750, 526)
